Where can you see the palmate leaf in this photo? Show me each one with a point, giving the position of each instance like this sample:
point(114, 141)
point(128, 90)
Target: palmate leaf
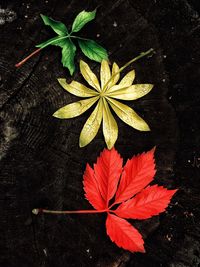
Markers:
point(90, 48)
point(108, 179)
point(106, 90)
point(109, 182)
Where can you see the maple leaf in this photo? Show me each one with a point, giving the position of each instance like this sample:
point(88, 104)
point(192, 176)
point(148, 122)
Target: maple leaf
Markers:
point(105, 95)
point(136, 199)
point(64, 40)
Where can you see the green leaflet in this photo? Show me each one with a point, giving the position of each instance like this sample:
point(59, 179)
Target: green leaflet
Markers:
point(81, 19)
point(68, 54)
point(68, 51)
point(58, 41)
point(90, 48)
point(57, 26)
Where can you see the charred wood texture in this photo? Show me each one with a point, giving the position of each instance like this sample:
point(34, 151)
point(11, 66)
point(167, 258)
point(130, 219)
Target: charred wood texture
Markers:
point(41, 163)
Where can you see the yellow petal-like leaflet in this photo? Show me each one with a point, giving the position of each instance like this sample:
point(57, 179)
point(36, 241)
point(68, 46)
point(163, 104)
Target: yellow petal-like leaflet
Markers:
point(91, 127)
point(130, 93)
point(89, 76)
point(128, 115)
point(128, 79)
point(105, 73)
point(113, 79)
point(110, 128)
point(75, 109)
point(77, 88)
point(115, 74)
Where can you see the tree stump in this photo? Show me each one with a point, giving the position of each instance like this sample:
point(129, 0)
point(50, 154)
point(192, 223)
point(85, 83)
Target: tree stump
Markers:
point(41, 162)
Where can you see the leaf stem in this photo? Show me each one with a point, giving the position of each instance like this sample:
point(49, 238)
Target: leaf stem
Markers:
point(52, 41)
point(37, 211)
point(26, 58)
point(77, 37)
point(143, 54)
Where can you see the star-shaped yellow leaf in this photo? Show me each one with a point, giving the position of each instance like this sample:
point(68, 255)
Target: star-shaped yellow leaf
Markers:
point(105, 94)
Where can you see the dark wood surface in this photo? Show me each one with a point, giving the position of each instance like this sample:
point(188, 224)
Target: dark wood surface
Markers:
point(41, 163)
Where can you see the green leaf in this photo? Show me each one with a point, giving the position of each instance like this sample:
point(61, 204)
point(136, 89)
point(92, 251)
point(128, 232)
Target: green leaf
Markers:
point(68, 51)
point(64, 40)
point(92, 50)
point(57, 26)
point(58, 41)
point(68, 54)
point(81, 19)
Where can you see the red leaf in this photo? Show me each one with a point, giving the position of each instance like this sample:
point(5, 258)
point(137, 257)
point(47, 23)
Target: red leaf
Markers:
point(149, 202)
point(138, 173)
point(124, 234)
point(107, 173)
point(91, 188)
point(100, 185)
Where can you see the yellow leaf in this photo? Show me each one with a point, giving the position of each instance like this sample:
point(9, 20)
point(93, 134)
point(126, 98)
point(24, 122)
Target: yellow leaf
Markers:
point(130, 93)
point(77, 88)
point(75, 109)
point(110, 128)
point(113, 79)
point(104, 72)
point(89, 76)
point(115, 74)
point(128, 115)
point(91, 127)
point(128, 79)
